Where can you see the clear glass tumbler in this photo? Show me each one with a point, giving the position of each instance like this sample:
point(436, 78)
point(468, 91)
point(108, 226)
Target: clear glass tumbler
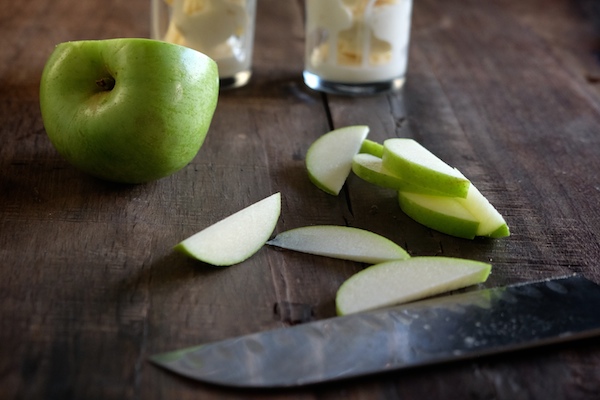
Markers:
point(356, 47)
point(221, 29)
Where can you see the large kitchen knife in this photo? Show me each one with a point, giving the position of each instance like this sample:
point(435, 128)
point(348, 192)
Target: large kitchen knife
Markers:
point(442, 329)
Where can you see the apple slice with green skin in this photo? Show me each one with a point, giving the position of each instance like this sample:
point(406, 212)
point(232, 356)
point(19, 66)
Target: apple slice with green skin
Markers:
point(371, 147)
point(371, 169)
point(128, 110)
point(329, 158)
point(444, 214)
point(491, 222)
point(417, 165)
point(237, 237)
point(397, 282)
point(342, 242)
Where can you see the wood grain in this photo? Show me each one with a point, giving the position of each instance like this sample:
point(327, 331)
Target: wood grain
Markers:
point(506, 91)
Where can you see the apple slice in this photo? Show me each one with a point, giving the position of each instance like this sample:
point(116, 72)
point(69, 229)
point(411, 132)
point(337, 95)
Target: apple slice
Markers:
point(371, 169)
point(340, 242)
point(329, 158)
point(397, 282)
point(371, 147)
point(237, 237)
point(419, 166)
point(491, 222)
point(444, 214)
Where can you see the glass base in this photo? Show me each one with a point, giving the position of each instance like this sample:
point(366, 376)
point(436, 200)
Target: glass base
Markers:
point(235, 81)
point(349, 88)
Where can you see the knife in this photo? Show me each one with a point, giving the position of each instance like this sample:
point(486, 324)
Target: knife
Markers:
point(437, 330)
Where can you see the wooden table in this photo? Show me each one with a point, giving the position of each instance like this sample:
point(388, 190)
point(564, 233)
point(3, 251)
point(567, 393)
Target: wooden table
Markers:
point(507, 91)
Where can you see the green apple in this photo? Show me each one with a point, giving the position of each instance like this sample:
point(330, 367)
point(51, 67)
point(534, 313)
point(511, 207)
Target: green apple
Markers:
point(128, 110)
point(417, 165)
point(342, 242)
point(237, 237)
point(371, 169)
point(329, 158)
point(444, 214)
point(371, 147)
point(397, 282)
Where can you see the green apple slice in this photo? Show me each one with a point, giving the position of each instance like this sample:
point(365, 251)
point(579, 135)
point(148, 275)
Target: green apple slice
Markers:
point(329, 158)
point(371, 169)
point(444, 214)
point(397, 282)
point(237, 237)
point(340, 242)
point(502, 231)
point(419, 166)
point(371, 147)
point(491, 222)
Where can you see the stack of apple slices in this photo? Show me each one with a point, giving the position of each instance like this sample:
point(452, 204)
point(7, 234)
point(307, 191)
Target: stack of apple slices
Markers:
point(429, 191)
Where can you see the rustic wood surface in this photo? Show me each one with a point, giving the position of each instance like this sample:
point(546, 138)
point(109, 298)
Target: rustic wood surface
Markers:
point(507, 91)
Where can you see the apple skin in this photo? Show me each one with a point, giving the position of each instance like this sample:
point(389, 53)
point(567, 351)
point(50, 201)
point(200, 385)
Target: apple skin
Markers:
point(371, 147)
point(370, 168)
point(417, 165)
point(444, 214)
point(128, 110)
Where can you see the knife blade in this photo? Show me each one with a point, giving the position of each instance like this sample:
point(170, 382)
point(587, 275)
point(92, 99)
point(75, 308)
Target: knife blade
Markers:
point(437, 330)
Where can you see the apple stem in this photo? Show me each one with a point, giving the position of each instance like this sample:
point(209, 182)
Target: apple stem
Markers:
point(107, 83)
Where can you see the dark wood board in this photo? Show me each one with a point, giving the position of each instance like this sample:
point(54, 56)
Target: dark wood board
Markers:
point(506, 91)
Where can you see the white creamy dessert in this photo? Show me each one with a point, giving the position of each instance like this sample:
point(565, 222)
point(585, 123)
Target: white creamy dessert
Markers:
point(221, 29)
point(369, 39)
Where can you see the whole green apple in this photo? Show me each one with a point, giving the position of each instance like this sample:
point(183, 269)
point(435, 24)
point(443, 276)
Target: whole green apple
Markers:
point(128, 110)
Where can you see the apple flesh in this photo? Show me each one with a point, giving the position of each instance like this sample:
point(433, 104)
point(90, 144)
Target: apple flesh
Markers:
point(128, 110)
point(237, 237)
point(417, 165)
point(397, 282)
point(329, 158)
point(491, 222)
point(341, 242)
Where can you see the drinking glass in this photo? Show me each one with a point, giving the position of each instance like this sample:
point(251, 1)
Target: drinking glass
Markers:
point(356, 47)
point(221, 29)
